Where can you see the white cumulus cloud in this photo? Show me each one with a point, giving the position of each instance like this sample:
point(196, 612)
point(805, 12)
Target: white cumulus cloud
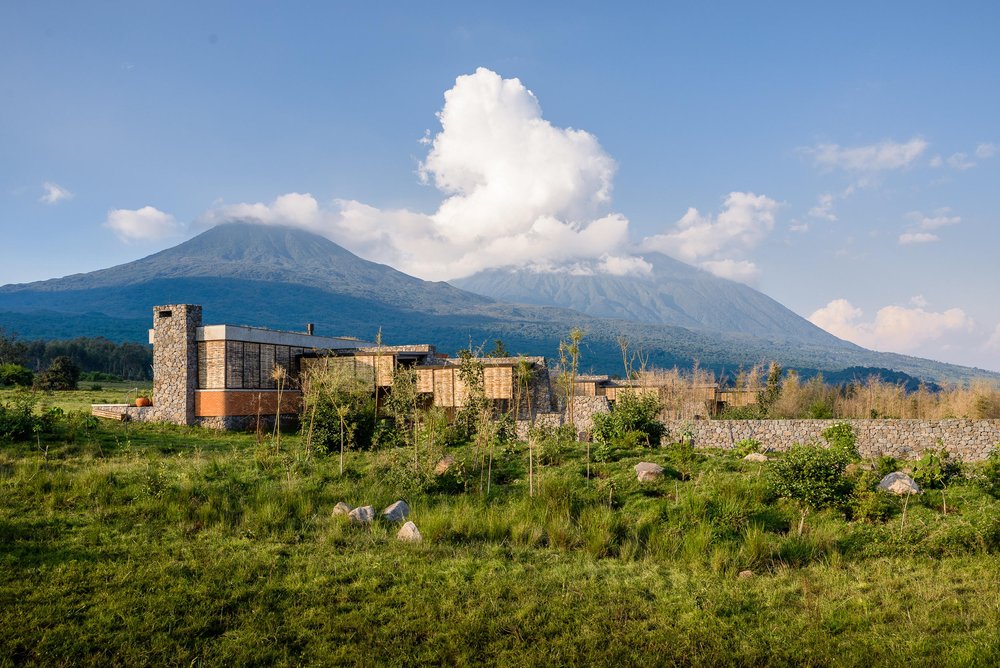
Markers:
point(986, 150)
point(516, 189)
point(883, 156)
point(145, 224)
point(716, 243)
point(894, 328)
point(54, 193)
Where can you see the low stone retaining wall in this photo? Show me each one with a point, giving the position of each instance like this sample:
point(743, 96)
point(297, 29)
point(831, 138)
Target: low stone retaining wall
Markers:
point(969, 440)
point(129, 413)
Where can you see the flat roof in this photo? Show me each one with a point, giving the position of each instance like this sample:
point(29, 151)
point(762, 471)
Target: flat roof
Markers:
point(272, 336)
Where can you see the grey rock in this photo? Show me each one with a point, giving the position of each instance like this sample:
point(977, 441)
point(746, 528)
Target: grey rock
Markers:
point(397, 512)
point(899, 483)
point(409, 533)
point(758, 457)
point(362, 515)
point(341, 509)
point(647, 471)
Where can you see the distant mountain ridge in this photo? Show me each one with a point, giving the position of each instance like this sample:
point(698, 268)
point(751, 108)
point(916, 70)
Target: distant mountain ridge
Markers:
point(672, 293)
point(280, 277)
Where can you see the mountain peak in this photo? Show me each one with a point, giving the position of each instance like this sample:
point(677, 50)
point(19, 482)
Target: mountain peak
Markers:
point(672, 293)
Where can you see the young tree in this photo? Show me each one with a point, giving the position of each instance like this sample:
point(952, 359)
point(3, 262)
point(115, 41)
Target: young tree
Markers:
point(569, 360)
point(340, 403)
point(523, 374)
point(477, 413)
point(402, 405)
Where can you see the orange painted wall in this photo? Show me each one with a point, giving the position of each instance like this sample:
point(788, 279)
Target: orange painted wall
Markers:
point(218, 403)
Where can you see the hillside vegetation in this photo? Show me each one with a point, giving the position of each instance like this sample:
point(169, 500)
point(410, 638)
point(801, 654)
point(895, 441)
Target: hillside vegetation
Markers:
point(284, 278)
point(145, 545)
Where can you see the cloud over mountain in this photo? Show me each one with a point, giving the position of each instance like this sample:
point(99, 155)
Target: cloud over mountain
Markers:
point(517, 191)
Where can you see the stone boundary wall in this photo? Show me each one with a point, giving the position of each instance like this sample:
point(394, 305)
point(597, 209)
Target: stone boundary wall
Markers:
point(968, 440)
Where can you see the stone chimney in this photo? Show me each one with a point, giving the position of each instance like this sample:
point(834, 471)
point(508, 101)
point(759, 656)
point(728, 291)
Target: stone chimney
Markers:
point(175, 361)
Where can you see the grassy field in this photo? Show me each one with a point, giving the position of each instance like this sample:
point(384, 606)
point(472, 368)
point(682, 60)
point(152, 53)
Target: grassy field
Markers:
point(120, 392)
point(141, 544)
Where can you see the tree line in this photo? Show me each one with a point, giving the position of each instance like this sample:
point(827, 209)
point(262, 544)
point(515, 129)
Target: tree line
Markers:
point(128, 360)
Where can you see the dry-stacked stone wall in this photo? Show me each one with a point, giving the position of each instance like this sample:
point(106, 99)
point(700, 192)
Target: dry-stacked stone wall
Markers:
point(969, 440)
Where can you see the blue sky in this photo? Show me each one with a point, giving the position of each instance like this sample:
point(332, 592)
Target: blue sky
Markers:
point(843, 159)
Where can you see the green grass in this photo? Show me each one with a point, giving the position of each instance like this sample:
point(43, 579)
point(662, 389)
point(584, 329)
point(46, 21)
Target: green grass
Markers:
point(146, 544)
point(81, 399)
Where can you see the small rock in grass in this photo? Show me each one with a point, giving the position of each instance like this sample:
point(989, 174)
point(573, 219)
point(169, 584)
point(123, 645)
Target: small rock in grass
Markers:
point(397, 512)
point(362, 515)
point(409, 533)
point(341, 509)
point(647, 471)
point(746, 574)
point(443, 465)
point(899, 483)
point(758, 457)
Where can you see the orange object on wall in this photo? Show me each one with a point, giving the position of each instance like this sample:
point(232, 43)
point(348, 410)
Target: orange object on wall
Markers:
point(221, 403)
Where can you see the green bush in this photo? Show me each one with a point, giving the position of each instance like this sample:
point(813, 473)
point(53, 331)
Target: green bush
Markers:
point(554, 444)
point(62, 374)
point(17, 418)
point(988, 477)
point(885, 465)
point(935, 470)
point(15, 374)
point(631, 414)
point(747, 446)
point(841, 438)
point(811, 476)
point(867, 502)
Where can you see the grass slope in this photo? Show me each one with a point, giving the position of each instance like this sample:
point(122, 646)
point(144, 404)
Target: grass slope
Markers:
point(148, 545)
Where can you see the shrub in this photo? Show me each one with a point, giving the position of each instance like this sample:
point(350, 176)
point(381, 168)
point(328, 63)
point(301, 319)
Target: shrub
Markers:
point(17, 419)
point(15, 374)
point(747, 446)
point(841, 438)
point(811, 476)
point(935, 470)
point(867, 502)
point(885, 465)
point(554, 444)
point(62, 374)
point(988, 477)
point(631, 414)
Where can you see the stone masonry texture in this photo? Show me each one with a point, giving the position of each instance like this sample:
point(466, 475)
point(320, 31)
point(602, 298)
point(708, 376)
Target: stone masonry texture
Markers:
point(175, 361)
point(968, 440)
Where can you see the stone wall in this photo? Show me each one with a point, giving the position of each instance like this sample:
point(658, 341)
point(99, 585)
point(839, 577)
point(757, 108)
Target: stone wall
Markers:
point(969, 440)
point(175, 361)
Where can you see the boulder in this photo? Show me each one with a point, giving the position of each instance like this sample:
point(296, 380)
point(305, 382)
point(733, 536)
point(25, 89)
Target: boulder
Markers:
point(647, 471)
point(397, 512)
point(341, 509)
point(757, 457)
point(409, 533)
point(362, 515)
point(899, 483)
point(443, 465)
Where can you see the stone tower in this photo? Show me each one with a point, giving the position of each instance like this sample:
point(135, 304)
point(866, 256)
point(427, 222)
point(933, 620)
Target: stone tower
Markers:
point(175, 361)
